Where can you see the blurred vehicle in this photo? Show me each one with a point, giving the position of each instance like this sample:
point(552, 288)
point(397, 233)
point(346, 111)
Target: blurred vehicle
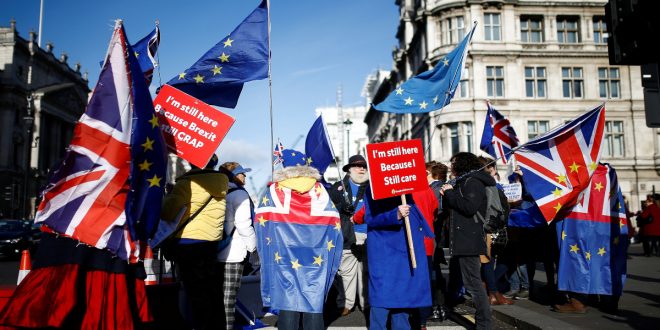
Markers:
point(16, 236)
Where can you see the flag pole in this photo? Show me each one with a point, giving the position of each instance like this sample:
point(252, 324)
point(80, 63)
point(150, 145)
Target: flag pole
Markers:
point(270, 91)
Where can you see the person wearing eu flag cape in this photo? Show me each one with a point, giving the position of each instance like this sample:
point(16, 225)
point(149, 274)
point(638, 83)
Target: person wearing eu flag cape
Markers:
point(396, 289)
point(299, 242)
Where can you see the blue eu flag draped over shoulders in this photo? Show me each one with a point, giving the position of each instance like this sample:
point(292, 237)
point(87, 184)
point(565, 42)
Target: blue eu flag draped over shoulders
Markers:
point(317, 147)
point(427, 91)
point(217, 77)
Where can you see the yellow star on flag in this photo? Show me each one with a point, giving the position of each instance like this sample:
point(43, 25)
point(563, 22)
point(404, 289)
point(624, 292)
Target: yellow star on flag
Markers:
point(199, 79)
point(295, 265)
point(268, 240)
point(182, 75)
point(561, 178)
point(601, 251)
point(588, 255)
point(330, 245)
point(265, 200)
point(621, 224)
point(228, 42)
point(155, 181)
point(148, 145)
point(575, 248)
point(136, 54)
point(154, 121)
point(557, 207)
point(399, 91)
point(435, 99)
point(599, 186)
point(557, 192)
point(409, 101)
point(593, 166)
point(338, 226)
point(309, 160)
point(563, 235)
point(217, 70)
point(145, 165)
point(277, 257)
point(224, 58)
point(423, 105)
point(574, 167)
point(318, 260)
point(445, 61)
point(262, 221)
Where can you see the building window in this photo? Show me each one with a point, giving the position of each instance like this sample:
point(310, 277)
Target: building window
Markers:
point(535, 82)
point(567, 30)
point(492, 27)
point(454, 30)
point(463, 88)
point(459, 137)
point(467, 130)
point(531, 29)
point(613, 146)
point(536, 128)
point(453, 138)
point(572, 83)
point(609, 83)
point(600, 30)
point(495, 81)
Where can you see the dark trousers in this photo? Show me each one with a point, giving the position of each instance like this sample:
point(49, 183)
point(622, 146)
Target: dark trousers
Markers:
point(290, 320)
point(398, 318)
point(455, 283)
point(471, 273)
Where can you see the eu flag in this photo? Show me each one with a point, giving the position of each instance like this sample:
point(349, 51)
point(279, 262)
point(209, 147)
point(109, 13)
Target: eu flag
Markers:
point(145, 52)
point(317, 146)
point(430, 90)
point(115, 165)
point(217, 77)
point(299, 242)
point(593, 239)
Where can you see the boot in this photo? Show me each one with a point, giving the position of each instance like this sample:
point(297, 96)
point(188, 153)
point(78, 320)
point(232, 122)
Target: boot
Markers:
point(493, 299)
point(502, 300)
point(572, 306)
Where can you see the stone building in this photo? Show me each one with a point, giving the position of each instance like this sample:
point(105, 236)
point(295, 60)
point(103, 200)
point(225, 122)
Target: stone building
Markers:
point(41, 98)
point(539, 63)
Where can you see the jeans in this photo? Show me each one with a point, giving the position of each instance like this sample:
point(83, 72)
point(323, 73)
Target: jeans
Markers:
point(519, 279)
point(398, 318)
point(290, 320)
point(471, 271)
point(488, 275)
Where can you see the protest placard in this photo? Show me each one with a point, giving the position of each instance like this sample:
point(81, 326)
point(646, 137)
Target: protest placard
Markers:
point(513, 191)
point(396, 168)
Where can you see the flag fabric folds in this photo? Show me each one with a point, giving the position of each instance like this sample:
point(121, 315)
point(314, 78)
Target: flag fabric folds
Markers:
point(430, 90)
point(317, 146)
point(593, 239)
point(498, 137)
point(145, 52)
point(115, 165)
point(558, 165)
point(277, 153)
point(299, 242)
point(217, 77)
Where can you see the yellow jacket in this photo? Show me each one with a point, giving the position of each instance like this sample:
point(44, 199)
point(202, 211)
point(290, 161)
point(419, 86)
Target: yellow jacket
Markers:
point(191, 191)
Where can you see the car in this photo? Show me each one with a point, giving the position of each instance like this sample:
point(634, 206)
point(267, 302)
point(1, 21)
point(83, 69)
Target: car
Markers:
point(16, 236)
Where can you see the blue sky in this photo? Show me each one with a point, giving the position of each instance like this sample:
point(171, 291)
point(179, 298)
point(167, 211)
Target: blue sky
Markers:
point(316, 46)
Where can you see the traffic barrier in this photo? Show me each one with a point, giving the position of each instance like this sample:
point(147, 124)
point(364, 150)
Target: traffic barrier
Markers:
point(24, 267)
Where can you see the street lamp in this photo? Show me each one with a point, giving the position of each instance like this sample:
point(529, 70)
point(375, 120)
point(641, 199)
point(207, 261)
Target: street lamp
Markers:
point(347, 124)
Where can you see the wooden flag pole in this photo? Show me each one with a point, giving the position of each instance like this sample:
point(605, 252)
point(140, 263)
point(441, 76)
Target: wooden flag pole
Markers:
point(411, 247)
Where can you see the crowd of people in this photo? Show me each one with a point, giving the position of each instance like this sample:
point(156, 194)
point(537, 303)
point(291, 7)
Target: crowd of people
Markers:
point(489, 263)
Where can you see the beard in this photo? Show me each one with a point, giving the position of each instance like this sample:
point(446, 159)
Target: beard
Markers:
point(359, 178)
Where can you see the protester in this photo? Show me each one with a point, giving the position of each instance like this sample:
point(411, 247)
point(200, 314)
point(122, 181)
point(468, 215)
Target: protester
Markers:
point(396, 290)
point(651, 229)
point(437, 176)
point(297, 239)
point(202, 193)
point(348, 195)
point(240, 233)
point(467, 240)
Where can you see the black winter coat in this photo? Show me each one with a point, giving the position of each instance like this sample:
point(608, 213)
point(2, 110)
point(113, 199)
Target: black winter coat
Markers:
point(466, 233)
point(346, 207)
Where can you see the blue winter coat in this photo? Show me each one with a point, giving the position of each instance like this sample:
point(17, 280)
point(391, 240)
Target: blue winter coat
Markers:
point(393, 283)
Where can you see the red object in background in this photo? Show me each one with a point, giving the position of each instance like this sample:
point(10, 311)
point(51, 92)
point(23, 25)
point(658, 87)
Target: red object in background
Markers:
point(192, 129)
point(396, 168)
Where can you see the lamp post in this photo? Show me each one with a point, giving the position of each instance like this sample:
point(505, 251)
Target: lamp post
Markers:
point(347, 124)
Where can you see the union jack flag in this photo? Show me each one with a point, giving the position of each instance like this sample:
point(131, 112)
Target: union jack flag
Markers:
point(499, 137)
point(277, 153)
point(593, 238)
point(299, 241)
point(558, 165)
point(114, 165)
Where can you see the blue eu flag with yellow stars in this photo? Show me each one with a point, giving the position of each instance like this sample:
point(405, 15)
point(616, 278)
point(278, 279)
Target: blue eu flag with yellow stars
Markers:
point(217, 77)
point(593, 239)
point(430, 90)
point(145, 52)
point(317, 146)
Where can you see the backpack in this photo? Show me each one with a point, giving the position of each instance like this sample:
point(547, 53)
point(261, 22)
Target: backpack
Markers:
point(497, 210)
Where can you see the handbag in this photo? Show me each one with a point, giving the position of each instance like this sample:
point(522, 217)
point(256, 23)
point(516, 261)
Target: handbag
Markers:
point(499, 237)
point(168, 245)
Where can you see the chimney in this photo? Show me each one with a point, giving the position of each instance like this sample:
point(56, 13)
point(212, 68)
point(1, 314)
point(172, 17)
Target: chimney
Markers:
point(50, 46)
point(64, 57)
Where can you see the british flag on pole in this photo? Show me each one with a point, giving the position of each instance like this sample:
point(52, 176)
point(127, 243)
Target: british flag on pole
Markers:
point(558, 165)
point(115, 163)
point(498, 137)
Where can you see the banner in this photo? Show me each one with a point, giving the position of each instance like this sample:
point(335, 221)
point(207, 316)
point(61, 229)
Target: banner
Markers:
point(512, 191)
point(192, 129)
point(396, 168)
